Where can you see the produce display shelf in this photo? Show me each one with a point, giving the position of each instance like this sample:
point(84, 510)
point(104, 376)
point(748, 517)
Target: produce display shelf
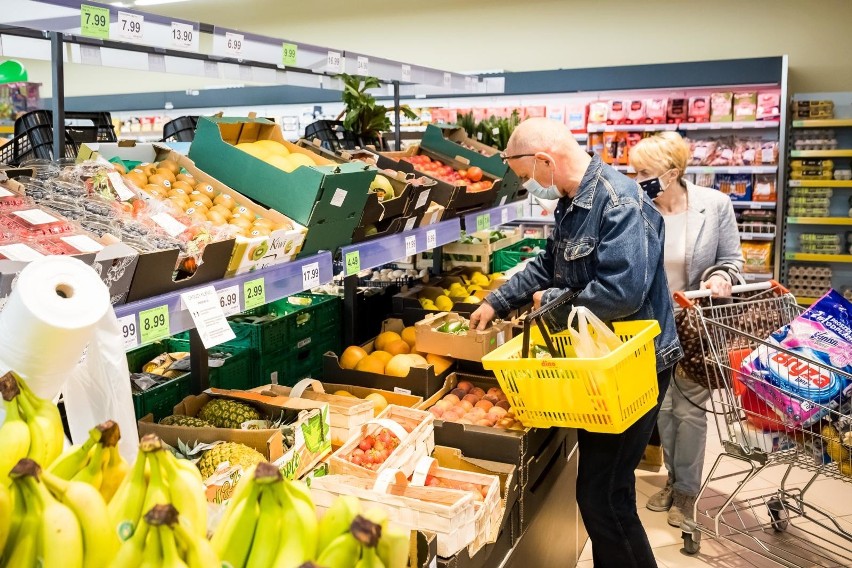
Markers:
point(485, 219)
point(277, 282)
point(819, 183)
point(754, 204)
point(819, 220)
point(384, 250)
point(821, 153)
point(595, 127)
point(824, 123)
point(757, 276)
point(715, 169)
point(808, 257)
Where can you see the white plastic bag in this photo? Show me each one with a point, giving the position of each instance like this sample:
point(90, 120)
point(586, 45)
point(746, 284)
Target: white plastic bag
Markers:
point(590, 343)
point(98, 389)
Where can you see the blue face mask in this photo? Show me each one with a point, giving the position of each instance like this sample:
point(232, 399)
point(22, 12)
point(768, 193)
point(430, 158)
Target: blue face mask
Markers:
point(538, 190)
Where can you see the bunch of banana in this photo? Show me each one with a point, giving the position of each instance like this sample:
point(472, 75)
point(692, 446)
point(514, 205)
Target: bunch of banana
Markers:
point(270, 522)
point(165, 538)
point(32, 427)
point(96, 461)
point(56, 522)
point(158, 478)
point(349, 539)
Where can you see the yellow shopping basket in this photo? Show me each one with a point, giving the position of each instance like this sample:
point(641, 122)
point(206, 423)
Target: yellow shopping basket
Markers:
point(604, 394)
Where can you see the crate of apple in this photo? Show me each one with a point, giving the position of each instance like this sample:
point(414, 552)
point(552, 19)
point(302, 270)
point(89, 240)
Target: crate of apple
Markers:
point(373, 451)
point(470, 177)
point(479, 492)
point(469, 404)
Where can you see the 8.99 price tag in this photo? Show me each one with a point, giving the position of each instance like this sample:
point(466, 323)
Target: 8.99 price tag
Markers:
point(154, 324)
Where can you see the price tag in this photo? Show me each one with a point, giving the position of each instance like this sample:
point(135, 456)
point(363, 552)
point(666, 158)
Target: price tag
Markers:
point(503, 200)
point(421, 201)
point(234, 44)
point(207, 314)
point(353, 262)
point(431, 239)
point(410, 245)
point(129, 331)
point(289, 51)
point(504, 216)
point(183, 36)
point(310, 276)
point(448, 80)
point(483, 222)
point(400, 390)
point(332, 62)
point(154, 324)
point(131, 26)
point(254, 293)
point(406, 73)
point(363, 65)
point(121, 190)
point(94, 21)
point(229, 300)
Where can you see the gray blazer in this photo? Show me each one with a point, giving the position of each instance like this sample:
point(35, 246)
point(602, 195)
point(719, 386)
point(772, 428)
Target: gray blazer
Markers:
point(712, 226)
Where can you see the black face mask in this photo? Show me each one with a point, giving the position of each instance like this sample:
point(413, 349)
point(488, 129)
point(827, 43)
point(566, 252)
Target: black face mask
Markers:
point(652, 187)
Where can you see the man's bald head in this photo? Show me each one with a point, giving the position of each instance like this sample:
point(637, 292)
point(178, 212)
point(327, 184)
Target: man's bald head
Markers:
point(539, 135)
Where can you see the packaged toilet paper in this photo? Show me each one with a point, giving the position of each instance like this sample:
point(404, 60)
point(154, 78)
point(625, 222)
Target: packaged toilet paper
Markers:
point(789, 381)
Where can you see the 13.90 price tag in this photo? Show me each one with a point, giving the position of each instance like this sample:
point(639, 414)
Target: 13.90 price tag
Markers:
point(129, 331)
point(184, 36)
point(154, 324)
point(254, 293)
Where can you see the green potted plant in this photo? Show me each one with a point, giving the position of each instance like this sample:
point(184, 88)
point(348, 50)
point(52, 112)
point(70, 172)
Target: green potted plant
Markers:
point(362, 115)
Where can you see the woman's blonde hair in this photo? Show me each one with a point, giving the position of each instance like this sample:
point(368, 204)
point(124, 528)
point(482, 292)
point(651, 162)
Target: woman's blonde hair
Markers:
point(661, 152)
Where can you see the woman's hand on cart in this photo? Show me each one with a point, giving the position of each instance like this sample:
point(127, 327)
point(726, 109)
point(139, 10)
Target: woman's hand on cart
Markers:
point(719, 286)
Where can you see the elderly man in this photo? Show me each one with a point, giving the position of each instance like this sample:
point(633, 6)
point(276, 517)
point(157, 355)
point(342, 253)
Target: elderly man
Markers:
point(607, 242)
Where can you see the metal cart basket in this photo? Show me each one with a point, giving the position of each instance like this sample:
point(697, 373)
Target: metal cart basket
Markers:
point(807, 434)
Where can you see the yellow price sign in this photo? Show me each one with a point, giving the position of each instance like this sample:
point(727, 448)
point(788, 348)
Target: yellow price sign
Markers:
point(254, 293)
point(288, 54)
point(353, 263)
point(154, 324)
point(94, 21)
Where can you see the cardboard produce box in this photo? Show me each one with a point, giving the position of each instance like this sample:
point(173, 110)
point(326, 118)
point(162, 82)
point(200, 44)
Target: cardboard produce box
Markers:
point(249, 253)
point(327, 198)
point(470, 345)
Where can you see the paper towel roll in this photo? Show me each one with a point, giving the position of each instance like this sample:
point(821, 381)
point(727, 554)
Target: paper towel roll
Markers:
point(49, 319)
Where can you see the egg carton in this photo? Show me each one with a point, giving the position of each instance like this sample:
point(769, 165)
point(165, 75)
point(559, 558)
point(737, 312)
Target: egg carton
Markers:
point(808, 271)
point(843, 174)
point(814, 192)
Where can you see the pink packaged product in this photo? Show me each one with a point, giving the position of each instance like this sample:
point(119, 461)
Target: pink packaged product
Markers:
point(598, 112)
point(35, 222)
point(655, 111)
point(9, 200)
point(745, 106)
point(798, 391)
point(768, 106)
point(721, 107)
point(636, 112)
point(699, 109)
point(676, 111)
point(617, 112)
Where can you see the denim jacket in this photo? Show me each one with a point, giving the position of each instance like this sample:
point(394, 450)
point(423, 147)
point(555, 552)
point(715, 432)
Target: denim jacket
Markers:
point(608, 242)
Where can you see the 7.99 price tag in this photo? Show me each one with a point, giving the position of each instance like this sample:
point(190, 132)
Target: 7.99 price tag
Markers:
point(131, 26)
point(129, 331)
point(94, 21)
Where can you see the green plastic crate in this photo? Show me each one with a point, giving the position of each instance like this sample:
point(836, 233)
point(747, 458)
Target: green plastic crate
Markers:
point(511, 256)
point(293, 324)
point(290, 367)
point(237, 371)
point(161, 399)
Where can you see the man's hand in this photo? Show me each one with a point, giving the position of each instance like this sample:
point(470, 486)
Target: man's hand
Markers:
point(482, 316)
point(537, 299)
point(718, 286)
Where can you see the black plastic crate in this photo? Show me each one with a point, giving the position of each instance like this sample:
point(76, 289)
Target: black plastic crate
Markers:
point(21, 148)
point(81, 127)
point(181, 129)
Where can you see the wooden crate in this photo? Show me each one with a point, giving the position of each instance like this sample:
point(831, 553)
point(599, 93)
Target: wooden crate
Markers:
point(415, 430)
point(480, 253)
point(489, 509)
point(346, 414)
point(449, 513)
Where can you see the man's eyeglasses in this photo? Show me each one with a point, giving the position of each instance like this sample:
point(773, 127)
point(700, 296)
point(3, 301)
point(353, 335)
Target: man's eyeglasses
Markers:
point(506, 158)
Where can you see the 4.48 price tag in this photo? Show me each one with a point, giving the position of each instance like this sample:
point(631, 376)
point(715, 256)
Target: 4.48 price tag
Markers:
point(254, 293)
point(310, 276)
point(94, 21)
point(154, 324)
point(129, 331)
point(353, 262)
point(131, 26)
point(483, 222)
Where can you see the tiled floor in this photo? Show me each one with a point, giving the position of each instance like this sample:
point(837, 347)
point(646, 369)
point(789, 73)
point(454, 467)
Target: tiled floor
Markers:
point(833, 496)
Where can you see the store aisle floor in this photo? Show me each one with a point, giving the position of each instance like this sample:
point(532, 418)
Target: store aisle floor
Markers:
point(833, 496)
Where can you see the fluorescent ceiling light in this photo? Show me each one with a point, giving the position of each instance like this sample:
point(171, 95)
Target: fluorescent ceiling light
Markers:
point(156, 2)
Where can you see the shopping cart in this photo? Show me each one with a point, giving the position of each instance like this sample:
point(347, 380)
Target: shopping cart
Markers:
point(754, 435)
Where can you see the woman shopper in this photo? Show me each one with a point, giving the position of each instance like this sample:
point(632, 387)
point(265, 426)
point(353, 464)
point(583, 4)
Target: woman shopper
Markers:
point(702, 250)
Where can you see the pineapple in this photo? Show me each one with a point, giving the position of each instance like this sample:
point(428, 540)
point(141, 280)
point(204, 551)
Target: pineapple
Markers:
point(183, 420)
point(235, 454)
point(223, 413)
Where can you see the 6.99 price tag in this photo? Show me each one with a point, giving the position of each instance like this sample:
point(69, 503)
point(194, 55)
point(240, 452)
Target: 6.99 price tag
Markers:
point(234, 44)
point(229, 300)
point(431, 239)
point(129, 331)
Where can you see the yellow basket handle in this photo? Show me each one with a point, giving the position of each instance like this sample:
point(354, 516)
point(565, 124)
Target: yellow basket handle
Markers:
point(538, 316)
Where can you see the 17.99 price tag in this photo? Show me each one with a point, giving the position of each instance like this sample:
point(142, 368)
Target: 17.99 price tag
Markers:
point(310, 276)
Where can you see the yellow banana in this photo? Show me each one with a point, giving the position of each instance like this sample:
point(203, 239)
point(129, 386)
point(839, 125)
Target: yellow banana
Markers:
point(264, 546)
point(125, 508)
point(343, 552)
point(93, 473)
point(100, 544)
point(369, 559)
point(131, 551)
point(157, 493)
point(6, 507)
point(300, 497)
point(189, 467)
point(294, 548)
point(367, 529)
point(187, 493)
point(115, 471)
point(336, 520)
point(19, 511)
point(39, 428)
point(74, 459)
point(61, 538)
point(152, 556)
point(47, 413)
point(23, 546)
point(394, 546)
point(232, 541)
point(199, 551)
point(171, 556)
point(14, 433)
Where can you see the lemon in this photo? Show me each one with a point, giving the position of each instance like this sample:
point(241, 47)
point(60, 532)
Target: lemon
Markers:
point(479, 279)
point(444, 303)
point(430, 305)
point(472, 300)
point(473, 288)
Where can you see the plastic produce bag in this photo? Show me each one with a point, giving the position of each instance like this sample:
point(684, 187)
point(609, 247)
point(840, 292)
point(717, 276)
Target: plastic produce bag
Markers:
point(590, 337)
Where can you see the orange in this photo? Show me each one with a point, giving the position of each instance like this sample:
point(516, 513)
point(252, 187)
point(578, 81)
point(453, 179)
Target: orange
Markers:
point(350, 356)
point(400, 365)
point(408, 336)
point(397, 347)
point(384, 338)
point(441, 364)
point(370, 364)
point(382, 356)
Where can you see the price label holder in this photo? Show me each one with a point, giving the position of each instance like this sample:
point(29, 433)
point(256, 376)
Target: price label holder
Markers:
point(94, 21)
point(483, 222)
point(154, 324)
point(310, 276)
point(431, 239)
point(254, 293)
point(203, 306)
point(289, 51)
point(410, 245)
point(129, 331)
point(131, 27)
point(353, 262)
point(363, 65)
point(406, 73)
point(184, 36)
point(332, 62)
point(229, 300)
point(234, 44)
point(448, 80)
point(504, 216)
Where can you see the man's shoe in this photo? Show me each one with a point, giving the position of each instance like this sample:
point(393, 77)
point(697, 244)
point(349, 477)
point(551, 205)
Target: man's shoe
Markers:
point(662, 500)
point(681, 509)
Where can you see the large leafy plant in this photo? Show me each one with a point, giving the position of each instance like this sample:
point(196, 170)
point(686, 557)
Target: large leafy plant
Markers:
point(362, 115)
point(492, 131)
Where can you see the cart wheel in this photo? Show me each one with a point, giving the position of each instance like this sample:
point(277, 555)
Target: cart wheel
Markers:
point(691, 542)
point(778, 513)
